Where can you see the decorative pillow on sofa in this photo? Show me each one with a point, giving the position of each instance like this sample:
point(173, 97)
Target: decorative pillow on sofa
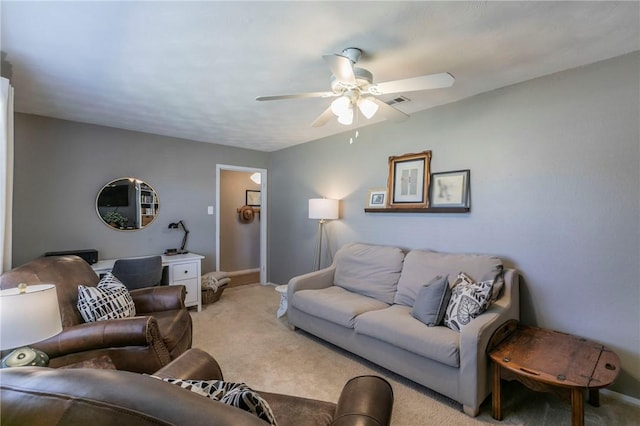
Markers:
point(496, 276)
point(468, 300)
point(498, 283)
point(467, 280)
point(110, 299)
point(431, 303)
point(238, 395)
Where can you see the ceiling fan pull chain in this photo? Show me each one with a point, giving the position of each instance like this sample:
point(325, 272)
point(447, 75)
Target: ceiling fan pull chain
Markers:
point(357, 113)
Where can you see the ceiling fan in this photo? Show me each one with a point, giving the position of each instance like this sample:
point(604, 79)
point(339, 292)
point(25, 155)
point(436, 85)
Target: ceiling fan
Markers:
point(353, 87)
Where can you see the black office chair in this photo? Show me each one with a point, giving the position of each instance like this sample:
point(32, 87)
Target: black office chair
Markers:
point(139, 273)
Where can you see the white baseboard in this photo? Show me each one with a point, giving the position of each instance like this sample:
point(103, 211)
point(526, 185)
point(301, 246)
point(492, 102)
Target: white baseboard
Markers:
point(243, 272)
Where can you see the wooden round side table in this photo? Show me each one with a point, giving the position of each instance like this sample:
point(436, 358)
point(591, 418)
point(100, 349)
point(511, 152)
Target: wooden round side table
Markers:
point(550, 361)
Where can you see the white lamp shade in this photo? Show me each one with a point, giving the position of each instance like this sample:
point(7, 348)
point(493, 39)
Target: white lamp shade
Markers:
point(29, 317)
point(323, 208)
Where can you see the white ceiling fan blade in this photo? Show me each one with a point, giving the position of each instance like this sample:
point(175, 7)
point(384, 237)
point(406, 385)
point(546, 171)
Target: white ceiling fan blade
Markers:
point(341, 68)
point(425, 82)
point(323, 118)
point(389, 112)
point(296, 96)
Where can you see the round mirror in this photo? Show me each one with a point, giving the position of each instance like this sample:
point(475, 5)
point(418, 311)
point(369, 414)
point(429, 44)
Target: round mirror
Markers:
point(127, 204)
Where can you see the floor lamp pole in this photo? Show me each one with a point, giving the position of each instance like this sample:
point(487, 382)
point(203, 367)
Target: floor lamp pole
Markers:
point(318, 255)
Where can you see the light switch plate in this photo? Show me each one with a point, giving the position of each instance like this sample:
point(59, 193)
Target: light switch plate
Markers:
point(210, 210)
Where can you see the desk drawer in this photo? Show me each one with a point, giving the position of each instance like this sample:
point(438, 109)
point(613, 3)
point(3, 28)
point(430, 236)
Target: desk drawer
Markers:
point(184, 271)
point(192, 290)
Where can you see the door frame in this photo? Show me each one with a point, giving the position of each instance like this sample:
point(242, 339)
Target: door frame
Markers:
point(263, 214)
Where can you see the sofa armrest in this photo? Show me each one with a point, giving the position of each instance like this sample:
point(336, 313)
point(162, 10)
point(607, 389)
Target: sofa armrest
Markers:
point(194, 364)
point(364, 401)
point(160, 298)
point(474, 339)
point(312, 281)
point(134, 331)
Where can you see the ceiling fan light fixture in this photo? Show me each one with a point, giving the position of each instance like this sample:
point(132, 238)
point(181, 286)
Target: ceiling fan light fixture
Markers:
point(367, 107)
point(256, 177)
point(340, 105)
point(346, 117)
point(353, 87)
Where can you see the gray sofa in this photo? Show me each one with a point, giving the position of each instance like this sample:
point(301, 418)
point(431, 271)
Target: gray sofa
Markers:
point(363, 303)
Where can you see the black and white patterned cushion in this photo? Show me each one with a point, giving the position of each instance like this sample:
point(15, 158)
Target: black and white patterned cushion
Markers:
point(235, 394)
point(468, 300)
point(110, 299)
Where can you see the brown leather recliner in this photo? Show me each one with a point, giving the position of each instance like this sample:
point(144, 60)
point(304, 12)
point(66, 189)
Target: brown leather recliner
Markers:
point(44, 396)
point(160, 331)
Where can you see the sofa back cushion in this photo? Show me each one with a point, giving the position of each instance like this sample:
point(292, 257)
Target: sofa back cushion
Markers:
point(369, 270)
point(421, 266)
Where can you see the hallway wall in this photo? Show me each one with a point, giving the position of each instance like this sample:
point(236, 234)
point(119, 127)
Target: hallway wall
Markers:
point(239, 242)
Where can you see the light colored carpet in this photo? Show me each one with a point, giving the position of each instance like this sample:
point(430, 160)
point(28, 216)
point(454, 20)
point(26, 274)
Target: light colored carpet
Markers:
point(241, 331)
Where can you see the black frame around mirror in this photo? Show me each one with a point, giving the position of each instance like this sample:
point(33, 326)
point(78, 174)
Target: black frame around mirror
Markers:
point(127, 204)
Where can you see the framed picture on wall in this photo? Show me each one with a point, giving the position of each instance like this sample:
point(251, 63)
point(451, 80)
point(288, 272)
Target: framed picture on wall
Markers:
point(450, 189)
point(252, 198)
point(376, 198)
point(408, 181)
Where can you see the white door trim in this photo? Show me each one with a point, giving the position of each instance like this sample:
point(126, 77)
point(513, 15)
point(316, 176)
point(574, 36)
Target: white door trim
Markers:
point(263, 215)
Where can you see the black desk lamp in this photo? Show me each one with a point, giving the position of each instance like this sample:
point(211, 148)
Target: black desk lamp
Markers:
point(184, 239)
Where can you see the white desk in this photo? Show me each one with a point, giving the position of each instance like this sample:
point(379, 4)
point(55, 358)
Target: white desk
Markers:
point(184, 269)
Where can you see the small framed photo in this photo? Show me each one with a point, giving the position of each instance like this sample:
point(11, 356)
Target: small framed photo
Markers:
point(408, 181)
point(450, 189)
point(252, 198)
point(377, 198)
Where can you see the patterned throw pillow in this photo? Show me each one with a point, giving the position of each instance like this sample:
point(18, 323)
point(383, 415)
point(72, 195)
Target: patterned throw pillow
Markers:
point(468, 300)
point(235, 394)
point(110, 299)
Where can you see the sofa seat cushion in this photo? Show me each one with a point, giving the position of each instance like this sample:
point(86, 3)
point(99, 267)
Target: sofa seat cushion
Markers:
point(421, 266)
point(335, 304)
point(173, 325)
point(369, 270)
point(396, 326)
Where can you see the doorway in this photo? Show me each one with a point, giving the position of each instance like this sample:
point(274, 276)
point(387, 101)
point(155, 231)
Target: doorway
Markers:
point(241, 245)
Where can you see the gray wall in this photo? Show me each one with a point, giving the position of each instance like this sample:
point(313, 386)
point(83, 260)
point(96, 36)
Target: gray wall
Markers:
point(554, 190)
point(239, 242)
point(61, 165)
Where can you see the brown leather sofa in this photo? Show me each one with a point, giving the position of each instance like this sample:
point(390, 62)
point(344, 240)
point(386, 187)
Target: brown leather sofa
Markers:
point(44, 396)
point(160, 331)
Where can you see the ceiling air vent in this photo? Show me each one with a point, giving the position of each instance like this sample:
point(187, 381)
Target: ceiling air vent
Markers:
point(397, 100)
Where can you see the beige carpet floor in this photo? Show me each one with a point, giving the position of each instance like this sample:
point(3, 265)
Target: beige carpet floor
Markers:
point(242, 332)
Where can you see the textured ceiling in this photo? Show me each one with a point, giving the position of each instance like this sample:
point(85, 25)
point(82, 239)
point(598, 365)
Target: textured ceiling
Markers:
point(193, 69)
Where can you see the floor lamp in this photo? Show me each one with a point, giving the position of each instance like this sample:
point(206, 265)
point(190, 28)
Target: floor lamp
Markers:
point(322, 209)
